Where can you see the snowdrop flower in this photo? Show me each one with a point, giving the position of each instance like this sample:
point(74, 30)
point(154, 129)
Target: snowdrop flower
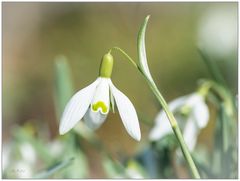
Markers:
point(93, 104)
point(190, 108)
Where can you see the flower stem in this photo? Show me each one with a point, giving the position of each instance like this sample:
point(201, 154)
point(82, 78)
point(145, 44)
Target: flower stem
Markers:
point(170, 116)
point(176, 129)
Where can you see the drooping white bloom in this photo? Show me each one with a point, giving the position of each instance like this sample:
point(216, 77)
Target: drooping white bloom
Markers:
point(93, 104)
point(197, 118)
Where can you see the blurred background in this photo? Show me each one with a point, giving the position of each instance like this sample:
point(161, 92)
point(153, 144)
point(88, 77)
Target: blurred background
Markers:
point(34, 34)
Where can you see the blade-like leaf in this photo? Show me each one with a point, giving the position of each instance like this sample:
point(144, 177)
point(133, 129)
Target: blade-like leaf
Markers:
point(212, 67)
point(142, 50)
point(53, 169)
point(63, 83)
point(113, 169)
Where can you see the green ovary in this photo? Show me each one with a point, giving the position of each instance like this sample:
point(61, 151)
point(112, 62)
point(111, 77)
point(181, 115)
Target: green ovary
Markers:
point(185, 110)
point(106, 66)
point(101, 105)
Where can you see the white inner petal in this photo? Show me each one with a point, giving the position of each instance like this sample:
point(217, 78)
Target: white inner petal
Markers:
point(94, 119)
point(101, 100)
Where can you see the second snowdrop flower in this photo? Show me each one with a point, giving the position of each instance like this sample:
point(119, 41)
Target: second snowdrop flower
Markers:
point(93, 104)
point(193, 114)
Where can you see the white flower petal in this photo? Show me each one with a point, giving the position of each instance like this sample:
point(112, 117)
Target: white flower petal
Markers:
point(199, 108)
point(77, 107)
point(190, 134)
point(193, 99)
point(94, 119)
point(177, 103)
point(201, 113)
point(163, 126)
point(127, 112)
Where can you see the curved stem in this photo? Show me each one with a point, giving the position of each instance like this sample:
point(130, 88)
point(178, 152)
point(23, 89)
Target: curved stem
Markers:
point(126, 55)
point(225, 95)
point(170, 116)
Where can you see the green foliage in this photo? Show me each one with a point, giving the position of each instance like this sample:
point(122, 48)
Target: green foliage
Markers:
point(56, 167)
point(63, 84)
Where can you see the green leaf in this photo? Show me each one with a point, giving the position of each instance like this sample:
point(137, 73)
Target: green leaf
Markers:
point(143, 65)
point(53, 169)
point(167, 142)
point(212, 67)
point(202, 160)
point(225, 130)
point(73, 147)
point(224, 138)
point(80, 164)
point(63, 84)
point(112, 168)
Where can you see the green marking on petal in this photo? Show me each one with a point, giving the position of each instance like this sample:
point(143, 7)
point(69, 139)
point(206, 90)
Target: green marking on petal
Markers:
point(101, 105)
